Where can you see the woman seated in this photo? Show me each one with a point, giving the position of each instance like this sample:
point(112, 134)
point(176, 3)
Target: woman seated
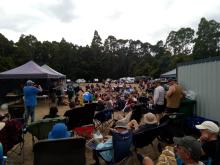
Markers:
point(52, 113)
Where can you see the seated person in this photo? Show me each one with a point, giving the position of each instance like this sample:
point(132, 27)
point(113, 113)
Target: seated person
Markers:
point(149, 120)
point(210, 140)
point(188, 149)
point(120, 127)
point(59, 131)
point(52, 113)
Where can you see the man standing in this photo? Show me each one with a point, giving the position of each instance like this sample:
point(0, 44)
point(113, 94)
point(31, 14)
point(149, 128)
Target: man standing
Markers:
point(173, 97)
point(30, 91)
point(159, 94)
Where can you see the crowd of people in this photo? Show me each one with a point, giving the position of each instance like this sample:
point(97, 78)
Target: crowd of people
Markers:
point(150, 101)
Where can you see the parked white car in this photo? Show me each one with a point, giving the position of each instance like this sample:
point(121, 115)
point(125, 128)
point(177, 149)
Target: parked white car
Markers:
point(80, 81)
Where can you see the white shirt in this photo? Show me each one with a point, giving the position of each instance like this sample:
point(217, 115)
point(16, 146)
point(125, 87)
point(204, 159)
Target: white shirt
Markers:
point(159, 94)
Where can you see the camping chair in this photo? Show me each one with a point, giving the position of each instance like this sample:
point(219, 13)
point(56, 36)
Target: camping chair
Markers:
point(144, 136)
point(64, 151)
point(121, 148)
point(16, 111)
point(171, 125)
point(41, 128)
point(137, 112)
point(103, 119)
point(79, 116)
point(12, 137)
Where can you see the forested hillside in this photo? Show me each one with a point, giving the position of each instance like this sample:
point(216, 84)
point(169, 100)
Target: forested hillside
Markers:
point(112, 57)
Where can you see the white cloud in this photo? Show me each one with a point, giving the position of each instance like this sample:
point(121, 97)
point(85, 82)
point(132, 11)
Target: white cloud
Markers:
point(76, 20)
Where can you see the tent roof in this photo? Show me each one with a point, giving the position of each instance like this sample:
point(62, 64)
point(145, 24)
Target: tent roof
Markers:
point(45, 66)
point(29, 70)
point(171, 73)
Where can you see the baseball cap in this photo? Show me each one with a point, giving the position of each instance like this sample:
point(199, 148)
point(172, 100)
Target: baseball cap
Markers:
point(29, 82)
point(191, 144)
point(209, 125)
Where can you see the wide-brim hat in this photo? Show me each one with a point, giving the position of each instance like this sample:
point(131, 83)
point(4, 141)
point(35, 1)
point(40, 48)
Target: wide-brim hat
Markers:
point(58, 131)
point(149, 118)
point(121, 124)
point(2, 125)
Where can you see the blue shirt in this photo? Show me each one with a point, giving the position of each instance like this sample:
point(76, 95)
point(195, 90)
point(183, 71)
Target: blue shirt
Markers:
point(30, 93)
point(107, 155)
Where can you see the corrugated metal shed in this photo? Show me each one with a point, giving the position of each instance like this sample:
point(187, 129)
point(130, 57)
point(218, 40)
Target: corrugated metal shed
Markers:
point(203, 77)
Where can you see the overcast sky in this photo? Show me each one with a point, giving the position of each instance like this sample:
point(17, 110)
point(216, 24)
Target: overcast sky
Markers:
point(76, 20)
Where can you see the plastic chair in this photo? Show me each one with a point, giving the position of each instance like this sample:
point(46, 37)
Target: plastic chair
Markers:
point(60, 151)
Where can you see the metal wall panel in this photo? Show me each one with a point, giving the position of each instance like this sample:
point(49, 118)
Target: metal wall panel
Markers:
point(204, 80)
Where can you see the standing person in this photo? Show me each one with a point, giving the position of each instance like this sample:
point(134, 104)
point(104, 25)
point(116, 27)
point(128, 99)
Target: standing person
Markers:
point(159, 94)
point(70, 92)
point(30, 91)
point(173, 97)
point(52, 94)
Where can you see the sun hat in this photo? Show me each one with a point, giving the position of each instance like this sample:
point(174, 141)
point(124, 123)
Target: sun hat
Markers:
point(59, 130)
point(121, 124)
point(4, 106)
point(208, 125)
point(2, 125)
point(192, 145)
point(149, 118)
point(29, 82)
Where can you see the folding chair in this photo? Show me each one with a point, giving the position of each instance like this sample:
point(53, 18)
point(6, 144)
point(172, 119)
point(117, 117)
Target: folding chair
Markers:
point(138, 111)
point(145, 135)
point(171, 125)
point(16, 111)
point(121, 147)
point(103, 119)
point(12, 137)
point(79, 116)
point(60, 152)
point(41, 128)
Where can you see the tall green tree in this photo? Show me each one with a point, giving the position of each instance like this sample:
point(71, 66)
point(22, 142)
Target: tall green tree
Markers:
point(96, 41)
point(180, 42)
point(207, 40)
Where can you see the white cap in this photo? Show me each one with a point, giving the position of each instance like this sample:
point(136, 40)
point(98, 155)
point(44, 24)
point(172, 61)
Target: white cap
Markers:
point(209, 125)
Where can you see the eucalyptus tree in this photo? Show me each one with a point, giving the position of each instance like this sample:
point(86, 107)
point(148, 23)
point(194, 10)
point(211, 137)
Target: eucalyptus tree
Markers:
point(207, 42)
point(180, 42)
